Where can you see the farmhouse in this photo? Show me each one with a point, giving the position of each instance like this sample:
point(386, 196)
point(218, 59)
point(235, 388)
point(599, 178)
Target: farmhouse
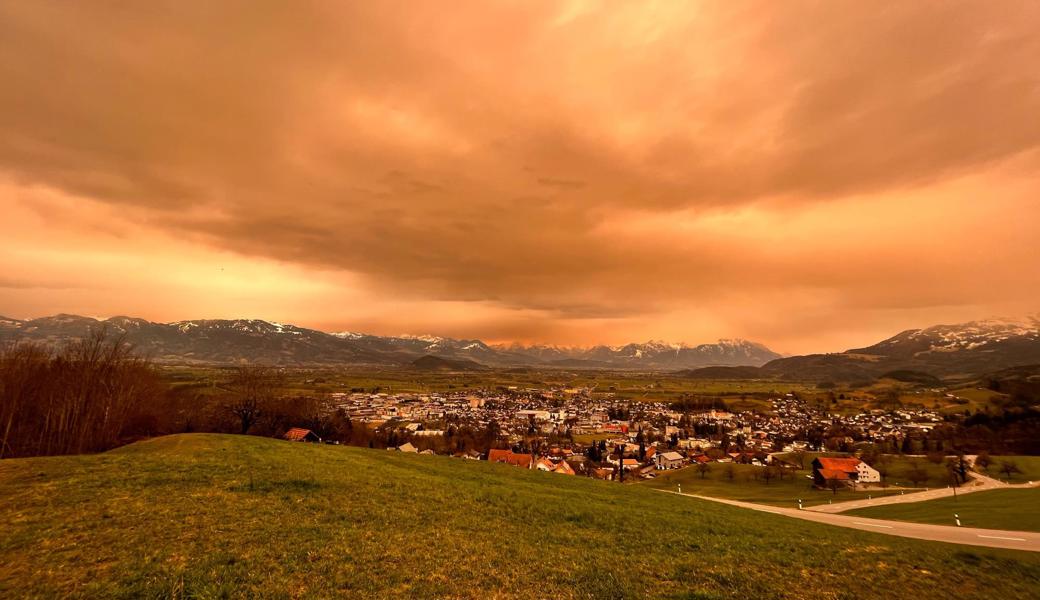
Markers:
point(847, 470)
point(297, 434)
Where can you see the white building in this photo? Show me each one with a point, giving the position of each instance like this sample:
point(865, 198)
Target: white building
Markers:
point(669, 460)
point(867, 474)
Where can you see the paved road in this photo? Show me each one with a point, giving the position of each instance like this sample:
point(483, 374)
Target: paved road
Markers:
point(991, 538)
point(979, 483)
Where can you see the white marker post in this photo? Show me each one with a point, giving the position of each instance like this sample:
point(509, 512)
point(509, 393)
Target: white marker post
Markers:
point(799, 504)
point(680, 487)
point(957, 518)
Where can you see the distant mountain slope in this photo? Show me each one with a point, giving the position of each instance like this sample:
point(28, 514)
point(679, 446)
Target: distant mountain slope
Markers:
point(229, 341)
point(942, 350)
point(206, 341)
point(653, 354)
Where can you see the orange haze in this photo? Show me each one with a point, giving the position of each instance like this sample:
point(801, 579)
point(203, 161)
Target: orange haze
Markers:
point(814, 176)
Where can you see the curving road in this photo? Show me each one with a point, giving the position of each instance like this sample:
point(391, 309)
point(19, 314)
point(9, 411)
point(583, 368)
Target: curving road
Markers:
point(990, 538)
point(979, 483)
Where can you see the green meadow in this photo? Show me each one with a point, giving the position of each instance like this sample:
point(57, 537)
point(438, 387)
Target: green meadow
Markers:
point(1014, 509)
point(747, 484)
point(217, 516)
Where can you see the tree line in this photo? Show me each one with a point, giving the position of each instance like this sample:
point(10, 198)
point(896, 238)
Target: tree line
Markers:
point(77, 399)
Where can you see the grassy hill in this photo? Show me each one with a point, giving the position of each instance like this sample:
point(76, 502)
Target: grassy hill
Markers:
point(211, 516)
point(1013, 509)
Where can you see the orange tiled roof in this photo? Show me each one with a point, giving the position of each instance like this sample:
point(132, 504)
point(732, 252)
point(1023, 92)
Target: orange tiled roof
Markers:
point(296, 434)
point(840, 464)
point(509, 457)
point(834, 474)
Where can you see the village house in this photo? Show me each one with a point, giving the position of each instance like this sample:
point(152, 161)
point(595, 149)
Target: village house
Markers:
point(669, 460)
point(509, 457)
point(547, 465)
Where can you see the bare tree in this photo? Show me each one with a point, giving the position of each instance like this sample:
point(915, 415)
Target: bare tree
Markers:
point(76, 400)
point(917, 475)
point(703, 468)
point(769, 474)
point(252, 388)
point(1009, 468)
point(983, 460)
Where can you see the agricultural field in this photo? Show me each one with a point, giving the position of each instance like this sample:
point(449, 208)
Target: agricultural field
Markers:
point(217, 516)
point(1014, 509)
point(634, 386)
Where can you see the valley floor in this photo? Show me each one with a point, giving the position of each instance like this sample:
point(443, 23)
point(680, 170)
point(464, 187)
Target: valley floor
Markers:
point(231, 516)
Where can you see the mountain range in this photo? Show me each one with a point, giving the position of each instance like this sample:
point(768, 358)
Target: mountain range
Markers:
point(962, 349)
point(231, 341)
point(941, 351)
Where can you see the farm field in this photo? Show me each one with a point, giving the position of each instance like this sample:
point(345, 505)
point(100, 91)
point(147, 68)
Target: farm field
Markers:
point(230, 516)
point(630, 385)
point(1014, 509)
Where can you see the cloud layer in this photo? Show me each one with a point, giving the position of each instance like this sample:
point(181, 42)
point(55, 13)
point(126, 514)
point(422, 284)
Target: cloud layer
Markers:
point(809, 175)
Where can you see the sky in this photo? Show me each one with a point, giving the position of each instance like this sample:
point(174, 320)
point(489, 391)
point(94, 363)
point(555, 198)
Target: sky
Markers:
point(814, 176)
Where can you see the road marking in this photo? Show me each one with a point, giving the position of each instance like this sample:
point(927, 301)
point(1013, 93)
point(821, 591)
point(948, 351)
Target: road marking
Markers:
point(872, 524)
point(1000, 537)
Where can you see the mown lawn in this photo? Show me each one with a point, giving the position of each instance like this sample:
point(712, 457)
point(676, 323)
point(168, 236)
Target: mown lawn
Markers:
point(744, 486)
point(995, 509)
point(210, 516)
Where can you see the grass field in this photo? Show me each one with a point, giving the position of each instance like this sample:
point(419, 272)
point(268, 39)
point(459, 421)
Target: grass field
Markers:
point(588, 438)
point(745, 487)
point(995, 509)
point(1029, 465)
point(210, 516)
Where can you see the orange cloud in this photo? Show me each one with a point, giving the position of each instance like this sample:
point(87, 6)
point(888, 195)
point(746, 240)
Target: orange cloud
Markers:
point(810, 176)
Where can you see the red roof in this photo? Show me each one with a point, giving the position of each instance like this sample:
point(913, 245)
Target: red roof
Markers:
point(297, 434)
point(510, 458)
point(847, 465)
point(834, 474)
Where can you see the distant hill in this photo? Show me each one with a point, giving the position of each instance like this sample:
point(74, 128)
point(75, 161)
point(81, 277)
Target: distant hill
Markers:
point(436, 363)
point(724, 373)
point(230, 341)
point(241, 516)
